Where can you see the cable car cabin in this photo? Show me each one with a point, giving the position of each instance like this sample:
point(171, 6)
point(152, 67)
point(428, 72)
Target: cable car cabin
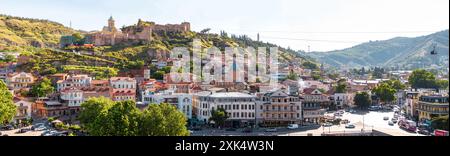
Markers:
point(433, 52)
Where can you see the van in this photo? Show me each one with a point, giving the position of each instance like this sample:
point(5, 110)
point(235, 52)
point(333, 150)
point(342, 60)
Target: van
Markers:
point(292, 126)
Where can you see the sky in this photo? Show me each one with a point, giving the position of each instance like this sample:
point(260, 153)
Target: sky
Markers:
point(309, 25)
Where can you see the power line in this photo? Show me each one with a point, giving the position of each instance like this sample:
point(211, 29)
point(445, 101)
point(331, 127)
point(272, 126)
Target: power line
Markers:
point(336, 32)
point(310, 40)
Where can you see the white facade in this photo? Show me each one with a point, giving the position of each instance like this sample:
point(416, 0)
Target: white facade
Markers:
point(19, 80)
point(239, 106)
point(73, 96)
point(123, 83)
point(342, 100)
point(74, 81)
point(182, 101)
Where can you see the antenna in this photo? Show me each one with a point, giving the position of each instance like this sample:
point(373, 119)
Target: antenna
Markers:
point(309, 48)
point(71, 24)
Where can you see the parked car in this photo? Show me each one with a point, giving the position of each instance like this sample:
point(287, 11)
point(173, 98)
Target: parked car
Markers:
point(327, 124)
point(391, 123)
point(345, 121)
point(197, 129)
point(271, 130)
point(352, 111)
point(292, 126)
point(0, 133)
point(247, 130)
point(394, 120)
point(230, 129)
point(423, 131)
point(386, 118)
point(350, 126)
point(8, 127)
point(23, 130)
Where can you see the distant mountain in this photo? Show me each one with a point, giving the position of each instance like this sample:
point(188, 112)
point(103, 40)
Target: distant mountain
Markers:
point(18, 31)
point(399, 52)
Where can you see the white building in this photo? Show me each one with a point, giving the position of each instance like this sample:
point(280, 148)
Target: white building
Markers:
point(278, 108)
point(74, 81)
point(342, 100)
point(182, 101)
point(240, 107)
point(19, 81)
point(122, 83)
point(73, 96)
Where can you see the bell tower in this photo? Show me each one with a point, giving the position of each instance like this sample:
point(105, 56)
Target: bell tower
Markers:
point(111, 24)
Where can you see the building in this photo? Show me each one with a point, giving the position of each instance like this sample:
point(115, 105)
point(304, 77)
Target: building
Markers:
point(182, 101)
point(73, 81)
point(46, 107)
point(432, 106)
point(240, 107)
point(19, 81)
point(342, 100)
point(278, 108)
point(138, 33)
point(314, 103)
point(122, 83)
point(23, 109)
point(412, 99)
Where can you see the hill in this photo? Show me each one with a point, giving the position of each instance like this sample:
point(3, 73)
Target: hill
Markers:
point(18, 31)
point(38, 39)
point(399, 52)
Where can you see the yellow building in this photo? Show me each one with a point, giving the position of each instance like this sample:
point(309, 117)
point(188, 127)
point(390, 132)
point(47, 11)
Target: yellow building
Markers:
point(432, 106)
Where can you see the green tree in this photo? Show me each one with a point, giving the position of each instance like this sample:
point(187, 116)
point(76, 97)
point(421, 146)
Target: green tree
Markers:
point(362, 100)
point(442, 84)
point(42, 88)
point(7, 107)
point(94, 114)
point(103, 117)
point(78, 38)
point(218, 116)
point(341, 87)
point(159, 75)
point(8, 58)
point(385, 92)
point(310, 65)
point(440, 123)
point(422, 79)
point(292, 76)
point(396, 84)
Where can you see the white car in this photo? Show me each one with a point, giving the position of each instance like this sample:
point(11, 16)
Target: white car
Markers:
point(292, 126)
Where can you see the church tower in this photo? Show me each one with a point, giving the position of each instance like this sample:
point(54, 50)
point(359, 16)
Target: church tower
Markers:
point(111, 24)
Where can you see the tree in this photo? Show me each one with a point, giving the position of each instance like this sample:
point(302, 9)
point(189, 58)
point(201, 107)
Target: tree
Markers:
point(440, 123)
point(103, 117)
point(93, 114)
point(310, 65)
point(292, 76)
point(8, 58)
point(422, 79)
point(385, 92)
point(42, 88)
point(159, 75)
point(396, 84)
point(362, 100)
point(442, 84)
point(7, 107)
point(219, 116)
point(78, 38)
point(341, 86)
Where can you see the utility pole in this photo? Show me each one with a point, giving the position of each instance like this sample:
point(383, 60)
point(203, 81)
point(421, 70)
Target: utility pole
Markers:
point(257, 36)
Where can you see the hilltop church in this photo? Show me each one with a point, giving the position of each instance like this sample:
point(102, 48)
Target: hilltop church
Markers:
point(141, 32)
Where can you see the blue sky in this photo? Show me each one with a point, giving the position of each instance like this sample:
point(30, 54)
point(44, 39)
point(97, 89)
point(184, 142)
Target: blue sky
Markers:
point(321, 24)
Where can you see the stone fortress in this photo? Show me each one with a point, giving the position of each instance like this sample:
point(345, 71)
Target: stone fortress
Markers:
point(140, 32)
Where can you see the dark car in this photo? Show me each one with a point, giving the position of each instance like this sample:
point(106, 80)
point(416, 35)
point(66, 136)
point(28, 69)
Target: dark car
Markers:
point(197, 129)
point(23, 130)
point(247, 130)
point(424, 132)
point(230, 129)
point(8, 127)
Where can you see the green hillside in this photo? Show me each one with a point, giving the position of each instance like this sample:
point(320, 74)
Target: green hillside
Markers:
point(18, 31)
point(400, 52)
